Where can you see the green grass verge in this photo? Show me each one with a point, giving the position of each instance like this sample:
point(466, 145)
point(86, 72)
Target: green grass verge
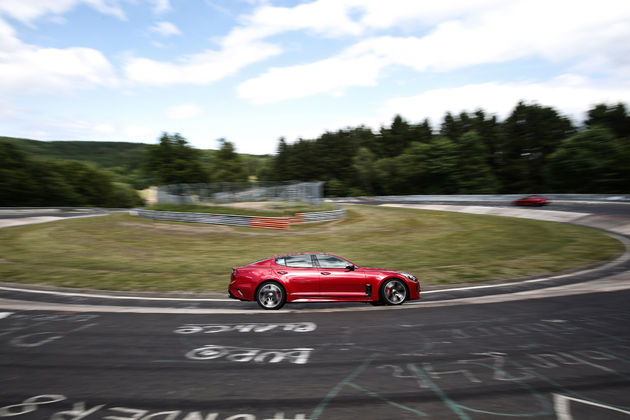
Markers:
point(122, 252)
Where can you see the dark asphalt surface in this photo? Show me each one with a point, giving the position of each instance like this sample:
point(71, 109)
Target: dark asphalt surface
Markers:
point(18, 213)
point(601, 208)
point(456, 362)
point(563, 357)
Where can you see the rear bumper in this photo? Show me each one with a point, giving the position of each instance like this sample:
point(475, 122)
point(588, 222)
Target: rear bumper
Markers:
point(234, 294)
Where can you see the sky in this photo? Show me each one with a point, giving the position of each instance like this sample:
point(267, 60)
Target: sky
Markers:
point(253, 71)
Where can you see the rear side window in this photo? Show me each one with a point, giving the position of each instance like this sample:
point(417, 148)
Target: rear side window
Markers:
point(299, 261)
point(329, 261)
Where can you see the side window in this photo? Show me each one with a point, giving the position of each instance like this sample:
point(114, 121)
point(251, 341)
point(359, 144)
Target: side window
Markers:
point(328, 261)
point(299, 261)
point(281, 261)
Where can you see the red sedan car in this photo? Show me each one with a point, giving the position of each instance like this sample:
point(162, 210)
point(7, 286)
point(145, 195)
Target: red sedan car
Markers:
point(532, 200)
point(318, 277)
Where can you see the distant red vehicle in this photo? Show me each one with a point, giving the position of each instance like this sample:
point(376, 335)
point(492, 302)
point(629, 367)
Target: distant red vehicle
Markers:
point(318, 277)
point(532, 200)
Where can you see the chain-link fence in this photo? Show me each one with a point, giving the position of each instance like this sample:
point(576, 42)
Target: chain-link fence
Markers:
point(228, 192)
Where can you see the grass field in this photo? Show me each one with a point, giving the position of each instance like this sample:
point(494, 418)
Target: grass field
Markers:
point(122, 252)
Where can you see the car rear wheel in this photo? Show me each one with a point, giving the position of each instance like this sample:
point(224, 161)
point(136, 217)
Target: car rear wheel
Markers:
point(270, 295)
point(393, 292)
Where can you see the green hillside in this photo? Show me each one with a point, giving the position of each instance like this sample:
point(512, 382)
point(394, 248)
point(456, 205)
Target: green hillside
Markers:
point(99, 153)
point(122, 159)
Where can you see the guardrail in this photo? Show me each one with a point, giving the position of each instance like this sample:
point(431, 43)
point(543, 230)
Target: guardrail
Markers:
point(241, 220)
point(606, 198)
point(322, 216)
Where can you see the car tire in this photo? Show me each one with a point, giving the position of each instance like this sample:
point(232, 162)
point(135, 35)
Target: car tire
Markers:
point(393, 292)
point(271, 295)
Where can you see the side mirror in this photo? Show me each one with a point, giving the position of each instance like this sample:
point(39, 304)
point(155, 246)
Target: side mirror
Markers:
point(350, 267)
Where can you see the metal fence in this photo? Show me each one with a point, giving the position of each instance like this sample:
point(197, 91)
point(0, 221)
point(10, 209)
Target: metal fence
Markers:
point(322, 216)
point(229, 192)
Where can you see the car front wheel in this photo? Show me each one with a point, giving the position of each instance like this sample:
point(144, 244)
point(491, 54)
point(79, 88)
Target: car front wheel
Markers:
point(393, 292)
point(270, 295)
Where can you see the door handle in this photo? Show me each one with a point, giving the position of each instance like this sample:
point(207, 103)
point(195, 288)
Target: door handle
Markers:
point(325, 273)
point(282, 272)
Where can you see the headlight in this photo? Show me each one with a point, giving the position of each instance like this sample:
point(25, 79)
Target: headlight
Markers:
point(410, 277)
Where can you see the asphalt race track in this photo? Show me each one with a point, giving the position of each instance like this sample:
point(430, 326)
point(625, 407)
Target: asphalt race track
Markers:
point(555, 348)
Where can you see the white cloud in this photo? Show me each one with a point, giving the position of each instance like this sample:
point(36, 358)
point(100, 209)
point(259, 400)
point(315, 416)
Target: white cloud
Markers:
point(202, 68)
point(166, 29)
point(28, 68)
point(29, 10)
point(571, 95)
point(324, 17)
point(577, 33)
point(183, 112)
point(326, 76)
point(244, 45)
point(161, 6)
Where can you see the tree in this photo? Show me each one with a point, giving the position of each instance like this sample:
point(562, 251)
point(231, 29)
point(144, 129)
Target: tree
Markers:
point(454, 127)
point(335, 188)
point(27, 182)
point(530, 134)
point(93, 186)
point(488, 129)
point(333, 154)
point(173, 161)
point(396, 138)
point(363, 163)
point(440, 164)
point(613, 117)
point(592, 161)
point(474, 173)
point(279, 167)
point(423, 168)
point(228, 165)
point(410, 169)
point(422, 133)
point(16, 184)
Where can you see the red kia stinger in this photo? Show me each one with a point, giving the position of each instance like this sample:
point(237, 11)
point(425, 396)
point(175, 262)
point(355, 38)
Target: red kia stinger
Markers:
point(532, 200)
point(319, 277)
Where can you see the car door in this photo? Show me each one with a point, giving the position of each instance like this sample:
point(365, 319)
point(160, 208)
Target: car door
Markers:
point(338, 281)
point(299, 275)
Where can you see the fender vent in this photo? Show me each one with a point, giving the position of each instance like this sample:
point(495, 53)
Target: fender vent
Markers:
point(368, 290)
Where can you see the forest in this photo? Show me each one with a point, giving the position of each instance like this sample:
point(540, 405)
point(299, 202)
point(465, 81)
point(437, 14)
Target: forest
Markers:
point(534, 150)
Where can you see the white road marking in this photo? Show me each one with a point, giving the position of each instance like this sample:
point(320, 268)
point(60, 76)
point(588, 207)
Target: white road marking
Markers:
point(100, 296)
point(563, 409)
point(5, 314)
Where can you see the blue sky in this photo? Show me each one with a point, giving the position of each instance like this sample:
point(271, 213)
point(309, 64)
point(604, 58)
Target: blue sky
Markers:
point(253, 71)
